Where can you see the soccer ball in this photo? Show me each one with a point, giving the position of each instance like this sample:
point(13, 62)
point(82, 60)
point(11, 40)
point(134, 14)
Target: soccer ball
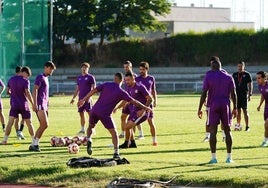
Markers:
point(237, 127)
point(53, 141)
point(68, 140)
point(59, 142)
point(73, 148)
point(84, 141)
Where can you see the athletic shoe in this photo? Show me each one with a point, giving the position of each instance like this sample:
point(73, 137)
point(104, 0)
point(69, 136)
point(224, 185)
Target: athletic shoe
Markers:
point(140, 137)
point(155, 143)
point(206, 139)
point(264, 144)
point(81, 132)
point(121, 136)
point(124, 145)
point(89, 148)
point(132, 145)
point(4, 142)
point(20, 135)
point(213, 161)
point(229, 160)
point(116, 156)
point(247, 129)
point(34, 148)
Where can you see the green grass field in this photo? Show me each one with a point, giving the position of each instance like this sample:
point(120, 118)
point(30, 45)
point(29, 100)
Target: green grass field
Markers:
point(180, 150)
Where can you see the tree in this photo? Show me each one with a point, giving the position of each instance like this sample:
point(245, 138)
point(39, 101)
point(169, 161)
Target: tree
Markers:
point(74, 19)
point(114, 17)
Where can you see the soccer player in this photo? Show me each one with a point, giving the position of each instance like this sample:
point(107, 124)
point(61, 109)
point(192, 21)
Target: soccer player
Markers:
point(263, 88)
point(2, 117)
point(111, 94)
point(137, 115)
point(125, 107)
point(40, 98)
point(218, 86)
point(244, 87)
point(85, 83)
point(149, 82)
point(19, 87)
point(19, 128)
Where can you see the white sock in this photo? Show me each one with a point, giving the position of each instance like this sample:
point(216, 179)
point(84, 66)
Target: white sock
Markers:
point(229, 155)
point(82, 127)
point(89, 139)
point(141, 132)
point(223, 134)
point(208, 134)
point(265, 139)
point(154, 139)
point(116, 150)
point(33, 140)
point(36, 141)
point(5, 138)
point(123, 132)
point(213, 155)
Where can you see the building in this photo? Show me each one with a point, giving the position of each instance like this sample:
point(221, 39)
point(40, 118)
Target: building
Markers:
point(195, 19)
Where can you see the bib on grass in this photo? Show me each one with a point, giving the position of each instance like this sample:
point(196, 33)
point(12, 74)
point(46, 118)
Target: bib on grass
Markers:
point(84, 162)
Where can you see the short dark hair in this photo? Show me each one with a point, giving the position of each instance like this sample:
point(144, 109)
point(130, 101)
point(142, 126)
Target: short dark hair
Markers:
point(214, 58)
point(262, 73)
point(18, 69)
point(27, 70)
point(50, 64)
point(144, 64)
point(127, 62)
point(129, 73)
point(119, 75)
point(241, 63)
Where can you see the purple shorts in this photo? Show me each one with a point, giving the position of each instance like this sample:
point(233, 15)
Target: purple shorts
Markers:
point(15, 111)
point(265, 114)
point(107, 121)
point(1, 105)
point(86, 107)
point(126, 109)
point(138, 120)
point(219, 113)
point(42, 107)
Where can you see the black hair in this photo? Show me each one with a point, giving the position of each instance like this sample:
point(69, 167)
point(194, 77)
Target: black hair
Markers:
point(18, 69)
point(144, 64)
point(262, 73)
point(50, 64)
point(129, 73)
point(27, 70)
point(119, 75)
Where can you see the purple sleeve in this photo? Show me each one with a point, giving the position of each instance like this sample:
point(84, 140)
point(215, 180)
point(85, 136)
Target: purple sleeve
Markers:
point(205, 84)
point(126, 96)
point(27, 85)
point(153, 85)
point(93, 81)
point(38, 80)
point(144, 91)
point(100, 87)
point(77, 80)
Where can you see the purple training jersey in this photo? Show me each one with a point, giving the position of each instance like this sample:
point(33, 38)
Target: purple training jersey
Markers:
point(17, 86)
point(148, 82)
point(110, 94)
point(138, 92)
point(264, 91)
point(84, 83)
point(219, 85)
point(43, 92)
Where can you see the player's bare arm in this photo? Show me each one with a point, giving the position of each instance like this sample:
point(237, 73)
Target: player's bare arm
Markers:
point(154, 94)
point(29, 97)
point(261, 101)
point(121, 105)
point(202, 101)
point(250, 89)
point(82, 101)
point(34, 95)
point(75, 94)
point(234, 99)
point(149, 101)
point(140, 105)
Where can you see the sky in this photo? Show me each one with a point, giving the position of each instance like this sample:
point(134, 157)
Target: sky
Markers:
point(241, 10)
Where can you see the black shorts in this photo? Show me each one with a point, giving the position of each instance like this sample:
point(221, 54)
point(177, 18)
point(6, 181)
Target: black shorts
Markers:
point(242, 101)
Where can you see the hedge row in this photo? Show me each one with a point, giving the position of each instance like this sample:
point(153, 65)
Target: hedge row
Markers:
point(188, 49)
